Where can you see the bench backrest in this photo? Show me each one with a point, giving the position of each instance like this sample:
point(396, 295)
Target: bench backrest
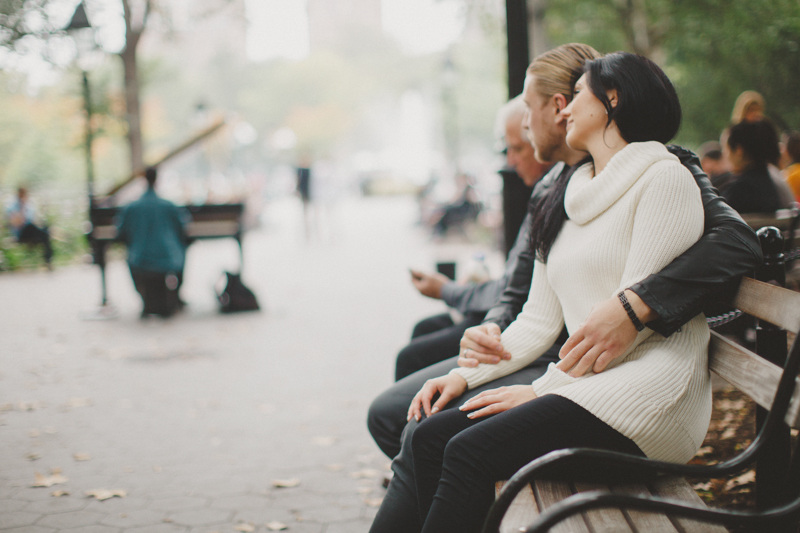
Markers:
point(742, 368)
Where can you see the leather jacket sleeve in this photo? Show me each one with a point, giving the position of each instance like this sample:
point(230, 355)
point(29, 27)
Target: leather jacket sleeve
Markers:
point(705, 276)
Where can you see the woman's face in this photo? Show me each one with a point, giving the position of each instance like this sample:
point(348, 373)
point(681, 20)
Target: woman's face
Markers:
point(586, 117)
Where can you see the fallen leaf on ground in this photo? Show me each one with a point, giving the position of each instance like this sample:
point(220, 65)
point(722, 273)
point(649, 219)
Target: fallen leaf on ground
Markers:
point(247, 528)
point(366, 473)
point(81, 456)
point(33, 456)
point(168, 520)
point(705, 450)
point(276, 526)
point(374, 502)
point(728, 405)
point(324, 441)
point(285, 483)
point(29, 406)
point(364, 490)
point(744, 479)
point(55, 478)
point(157, 469)
point(728, 434)
point(59, 493)
point(704, 487)
point(105, 494)
point(6, 407)
point(336, 467)
point(79, 402)
point(34, 433)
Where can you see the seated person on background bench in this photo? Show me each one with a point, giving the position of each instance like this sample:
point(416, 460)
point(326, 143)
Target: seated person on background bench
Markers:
point(750, 148)
point(21, 216)
point(710, 270)
point(436, 338)
point(154, 231)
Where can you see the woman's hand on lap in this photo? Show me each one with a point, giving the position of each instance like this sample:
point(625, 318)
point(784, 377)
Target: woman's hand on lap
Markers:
point(495, 401)
point(606, 334)
point(447, 387)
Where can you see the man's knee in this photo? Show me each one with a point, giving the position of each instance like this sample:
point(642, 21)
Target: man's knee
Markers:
point(384, 419)
point(407, 362)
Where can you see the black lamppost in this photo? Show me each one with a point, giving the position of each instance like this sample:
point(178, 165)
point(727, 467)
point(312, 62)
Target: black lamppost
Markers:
point(81, 31)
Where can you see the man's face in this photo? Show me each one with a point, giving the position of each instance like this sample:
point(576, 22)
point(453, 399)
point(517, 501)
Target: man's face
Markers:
point(545, 129)
point(520, 154)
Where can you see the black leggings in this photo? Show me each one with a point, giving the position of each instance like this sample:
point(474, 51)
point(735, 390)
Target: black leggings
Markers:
point(458, 460)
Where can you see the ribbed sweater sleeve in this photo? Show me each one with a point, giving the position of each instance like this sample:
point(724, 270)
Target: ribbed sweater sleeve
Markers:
point(668, 219)
point(535, 330)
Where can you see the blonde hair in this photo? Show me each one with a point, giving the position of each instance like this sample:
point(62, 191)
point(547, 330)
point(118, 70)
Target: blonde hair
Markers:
point(558, 69)
point(746, 102)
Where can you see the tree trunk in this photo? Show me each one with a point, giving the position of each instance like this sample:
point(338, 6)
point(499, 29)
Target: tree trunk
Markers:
point(133, 33)
point(133, 108)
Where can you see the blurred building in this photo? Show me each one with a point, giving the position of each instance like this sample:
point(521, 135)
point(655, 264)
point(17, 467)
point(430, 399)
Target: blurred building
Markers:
point(329, 20)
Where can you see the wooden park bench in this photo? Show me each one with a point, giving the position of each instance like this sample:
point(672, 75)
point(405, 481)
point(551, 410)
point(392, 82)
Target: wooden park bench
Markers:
point(646, 496)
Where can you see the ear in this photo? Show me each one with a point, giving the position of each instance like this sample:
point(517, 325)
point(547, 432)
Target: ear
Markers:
point(612, 97)
point(560, 102)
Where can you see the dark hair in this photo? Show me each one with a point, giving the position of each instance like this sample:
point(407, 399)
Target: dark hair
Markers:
point(647, 110)
point(150, 175)
point(793, 145)
point(647, 105)
point(759, 140)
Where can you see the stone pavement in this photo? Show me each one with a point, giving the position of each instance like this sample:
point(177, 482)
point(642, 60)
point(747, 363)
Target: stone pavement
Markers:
point(196, 417)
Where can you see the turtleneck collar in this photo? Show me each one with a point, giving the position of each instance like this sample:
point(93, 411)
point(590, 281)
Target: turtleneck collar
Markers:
point(587, 197)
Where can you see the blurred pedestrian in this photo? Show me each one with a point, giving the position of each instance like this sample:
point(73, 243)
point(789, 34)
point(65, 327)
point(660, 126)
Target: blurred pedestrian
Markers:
point(304, 190)
point(750, 147)
point(791, 152)
point(154, 231)
point(714, 164)
point(21, 215)
point(749, 107)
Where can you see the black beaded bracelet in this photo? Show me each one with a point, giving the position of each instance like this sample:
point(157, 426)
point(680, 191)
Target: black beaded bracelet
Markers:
point(628, 309)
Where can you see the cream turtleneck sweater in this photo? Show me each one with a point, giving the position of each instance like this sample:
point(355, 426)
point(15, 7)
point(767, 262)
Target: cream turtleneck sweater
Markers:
point(631, 220)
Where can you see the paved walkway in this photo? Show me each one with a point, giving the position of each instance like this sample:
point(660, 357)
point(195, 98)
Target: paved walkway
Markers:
point(195, 418)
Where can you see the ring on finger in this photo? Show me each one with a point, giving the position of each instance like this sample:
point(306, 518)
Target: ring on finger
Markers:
point(465, 353)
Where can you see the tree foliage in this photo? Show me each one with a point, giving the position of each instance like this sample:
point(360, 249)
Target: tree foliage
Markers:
point(712, 49)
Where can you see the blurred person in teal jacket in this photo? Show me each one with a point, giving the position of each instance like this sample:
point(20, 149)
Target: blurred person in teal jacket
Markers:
point(154, 230)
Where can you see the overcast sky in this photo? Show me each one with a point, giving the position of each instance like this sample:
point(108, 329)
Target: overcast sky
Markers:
point(279, 28)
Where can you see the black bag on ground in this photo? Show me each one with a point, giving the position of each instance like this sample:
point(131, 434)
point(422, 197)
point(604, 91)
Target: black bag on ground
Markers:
point(236, 297)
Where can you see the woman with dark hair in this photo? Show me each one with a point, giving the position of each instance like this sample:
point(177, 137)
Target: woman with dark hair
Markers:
point(750, 148)
point(623, 215)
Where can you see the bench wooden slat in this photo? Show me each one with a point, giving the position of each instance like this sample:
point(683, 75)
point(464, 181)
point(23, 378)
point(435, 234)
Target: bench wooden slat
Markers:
point(548, 493)
point(643, 521)
point(522, 511)
point(768, 302)
point(676, 488)
point(609, 520)
point(751, 374)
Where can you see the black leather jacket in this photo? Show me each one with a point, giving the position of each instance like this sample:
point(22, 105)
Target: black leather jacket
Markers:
point(706, 276)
